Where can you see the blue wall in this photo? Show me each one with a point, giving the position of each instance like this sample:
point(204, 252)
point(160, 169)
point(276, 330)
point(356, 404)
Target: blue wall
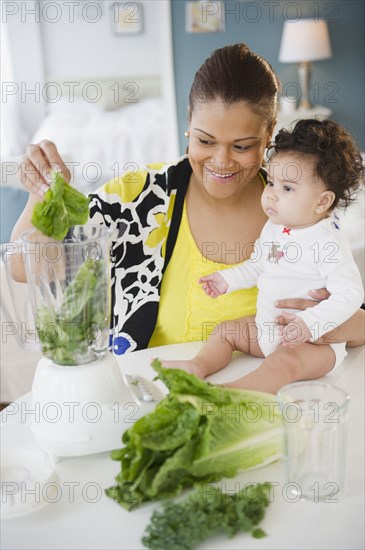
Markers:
point(259, 24)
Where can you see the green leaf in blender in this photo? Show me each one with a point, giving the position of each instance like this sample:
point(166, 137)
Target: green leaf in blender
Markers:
point(67, 333)
point(62, 207)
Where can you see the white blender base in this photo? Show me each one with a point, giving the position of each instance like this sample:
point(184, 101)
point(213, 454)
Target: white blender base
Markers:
point(85, 409)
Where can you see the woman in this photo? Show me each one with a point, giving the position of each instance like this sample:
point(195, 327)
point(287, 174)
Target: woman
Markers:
point(177, 222)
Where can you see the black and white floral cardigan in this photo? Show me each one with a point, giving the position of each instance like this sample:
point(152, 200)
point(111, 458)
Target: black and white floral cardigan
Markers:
point(144, 209)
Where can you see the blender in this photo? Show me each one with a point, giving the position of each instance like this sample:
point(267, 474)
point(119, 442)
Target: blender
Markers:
point(81, 400)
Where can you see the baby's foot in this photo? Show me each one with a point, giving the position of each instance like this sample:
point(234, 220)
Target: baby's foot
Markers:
point(189, 366)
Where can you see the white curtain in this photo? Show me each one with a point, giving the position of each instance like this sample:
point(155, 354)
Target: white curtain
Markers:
point(13, 135)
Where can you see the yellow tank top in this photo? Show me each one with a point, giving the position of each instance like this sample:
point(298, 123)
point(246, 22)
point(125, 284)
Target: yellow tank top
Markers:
point(186, 313)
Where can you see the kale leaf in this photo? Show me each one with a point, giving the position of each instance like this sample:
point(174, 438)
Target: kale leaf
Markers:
point(206, 512)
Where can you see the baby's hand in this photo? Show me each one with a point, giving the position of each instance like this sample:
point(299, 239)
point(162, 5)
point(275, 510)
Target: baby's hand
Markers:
point(213, 285)
point(295, 333)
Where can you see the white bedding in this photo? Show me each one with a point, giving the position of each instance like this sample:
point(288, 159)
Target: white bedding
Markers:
point(102, 143)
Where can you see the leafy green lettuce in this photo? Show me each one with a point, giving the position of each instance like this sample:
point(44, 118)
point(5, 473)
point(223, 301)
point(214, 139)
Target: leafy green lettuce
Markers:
point(198, 433)
point(62, 207)
point(67, 333)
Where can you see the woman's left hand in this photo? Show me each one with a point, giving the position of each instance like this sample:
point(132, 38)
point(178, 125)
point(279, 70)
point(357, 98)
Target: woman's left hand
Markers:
point(299, 303)
point(295, 332)
point(351, 331)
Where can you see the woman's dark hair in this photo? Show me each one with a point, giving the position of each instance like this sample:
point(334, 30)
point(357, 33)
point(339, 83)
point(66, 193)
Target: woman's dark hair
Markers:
point(235, 73)
point(338, 160)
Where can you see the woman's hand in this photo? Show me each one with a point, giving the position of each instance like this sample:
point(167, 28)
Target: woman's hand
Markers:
point(299, 303)
point(34, 173)
point(295, 332)
point(36, 166)
point(351, 331)
point(213, 285)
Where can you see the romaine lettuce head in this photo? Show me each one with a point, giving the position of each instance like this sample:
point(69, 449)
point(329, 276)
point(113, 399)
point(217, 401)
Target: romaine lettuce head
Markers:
point(199, 432)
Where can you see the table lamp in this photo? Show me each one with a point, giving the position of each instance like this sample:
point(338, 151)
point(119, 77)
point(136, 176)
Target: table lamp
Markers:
point(304, 41)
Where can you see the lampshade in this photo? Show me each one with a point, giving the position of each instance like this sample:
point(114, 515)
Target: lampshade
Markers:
point(305, 40)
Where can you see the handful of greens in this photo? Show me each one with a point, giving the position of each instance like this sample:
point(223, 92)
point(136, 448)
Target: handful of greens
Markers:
point(198, 433)
point(66, 334)
point(206, 512)
point(63, 206)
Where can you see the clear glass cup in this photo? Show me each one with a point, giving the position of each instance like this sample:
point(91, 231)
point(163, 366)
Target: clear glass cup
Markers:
point(315, 417)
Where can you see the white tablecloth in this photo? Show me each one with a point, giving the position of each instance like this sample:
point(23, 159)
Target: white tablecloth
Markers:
point(84, 518)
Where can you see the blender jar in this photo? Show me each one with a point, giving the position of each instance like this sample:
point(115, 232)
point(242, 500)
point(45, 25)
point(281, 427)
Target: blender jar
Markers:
point(69, 286)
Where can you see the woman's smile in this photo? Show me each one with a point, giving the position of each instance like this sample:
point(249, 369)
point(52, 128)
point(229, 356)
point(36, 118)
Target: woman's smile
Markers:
point(221, 177)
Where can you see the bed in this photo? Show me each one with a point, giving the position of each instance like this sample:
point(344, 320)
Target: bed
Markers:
point(104, 127)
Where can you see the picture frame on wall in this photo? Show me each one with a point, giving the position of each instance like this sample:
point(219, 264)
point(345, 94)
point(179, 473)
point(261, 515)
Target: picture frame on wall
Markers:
point(127, 18)
point(201, 16)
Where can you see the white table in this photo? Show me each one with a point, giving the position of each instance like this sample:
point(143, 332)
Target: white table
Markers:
point(87, 519)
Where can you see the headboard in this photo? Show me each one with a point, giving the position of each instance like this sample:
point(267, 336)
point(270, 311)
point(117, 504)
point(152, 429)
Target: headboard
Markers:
point(108, 93)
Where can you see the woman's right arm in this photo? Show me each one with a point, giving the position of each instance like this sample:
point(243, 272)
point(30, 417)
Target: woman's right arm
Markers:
point(34, 173)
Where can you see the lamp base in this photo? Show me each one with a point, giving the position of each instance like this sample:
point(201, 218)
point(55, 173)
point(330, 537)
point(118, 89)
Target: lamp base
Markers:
point(304, 73)
point(304, 105)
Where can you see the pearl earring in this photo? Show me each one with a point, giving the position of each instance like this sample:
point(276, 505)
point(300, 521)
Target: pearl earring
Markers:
point(318, 210)
point(187, 134)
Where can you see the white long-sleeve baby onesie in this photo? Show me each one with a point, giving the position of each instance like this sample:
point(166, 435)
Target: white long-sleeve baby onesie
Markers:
point(288, 263)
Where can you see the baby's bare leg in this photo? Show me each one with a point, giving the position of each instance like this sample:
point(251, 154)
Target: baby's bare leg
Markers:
point(286, 365)
point(227, 337)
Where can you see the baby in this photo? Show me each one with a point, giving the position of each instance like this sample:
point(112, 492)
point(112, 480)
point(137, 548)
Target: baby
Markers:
point(312, 170)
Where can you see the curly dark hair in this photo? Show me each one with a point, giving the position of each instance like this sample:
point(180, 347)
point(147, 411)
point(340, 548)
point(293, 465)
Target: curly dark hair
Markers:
point(339, 163)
